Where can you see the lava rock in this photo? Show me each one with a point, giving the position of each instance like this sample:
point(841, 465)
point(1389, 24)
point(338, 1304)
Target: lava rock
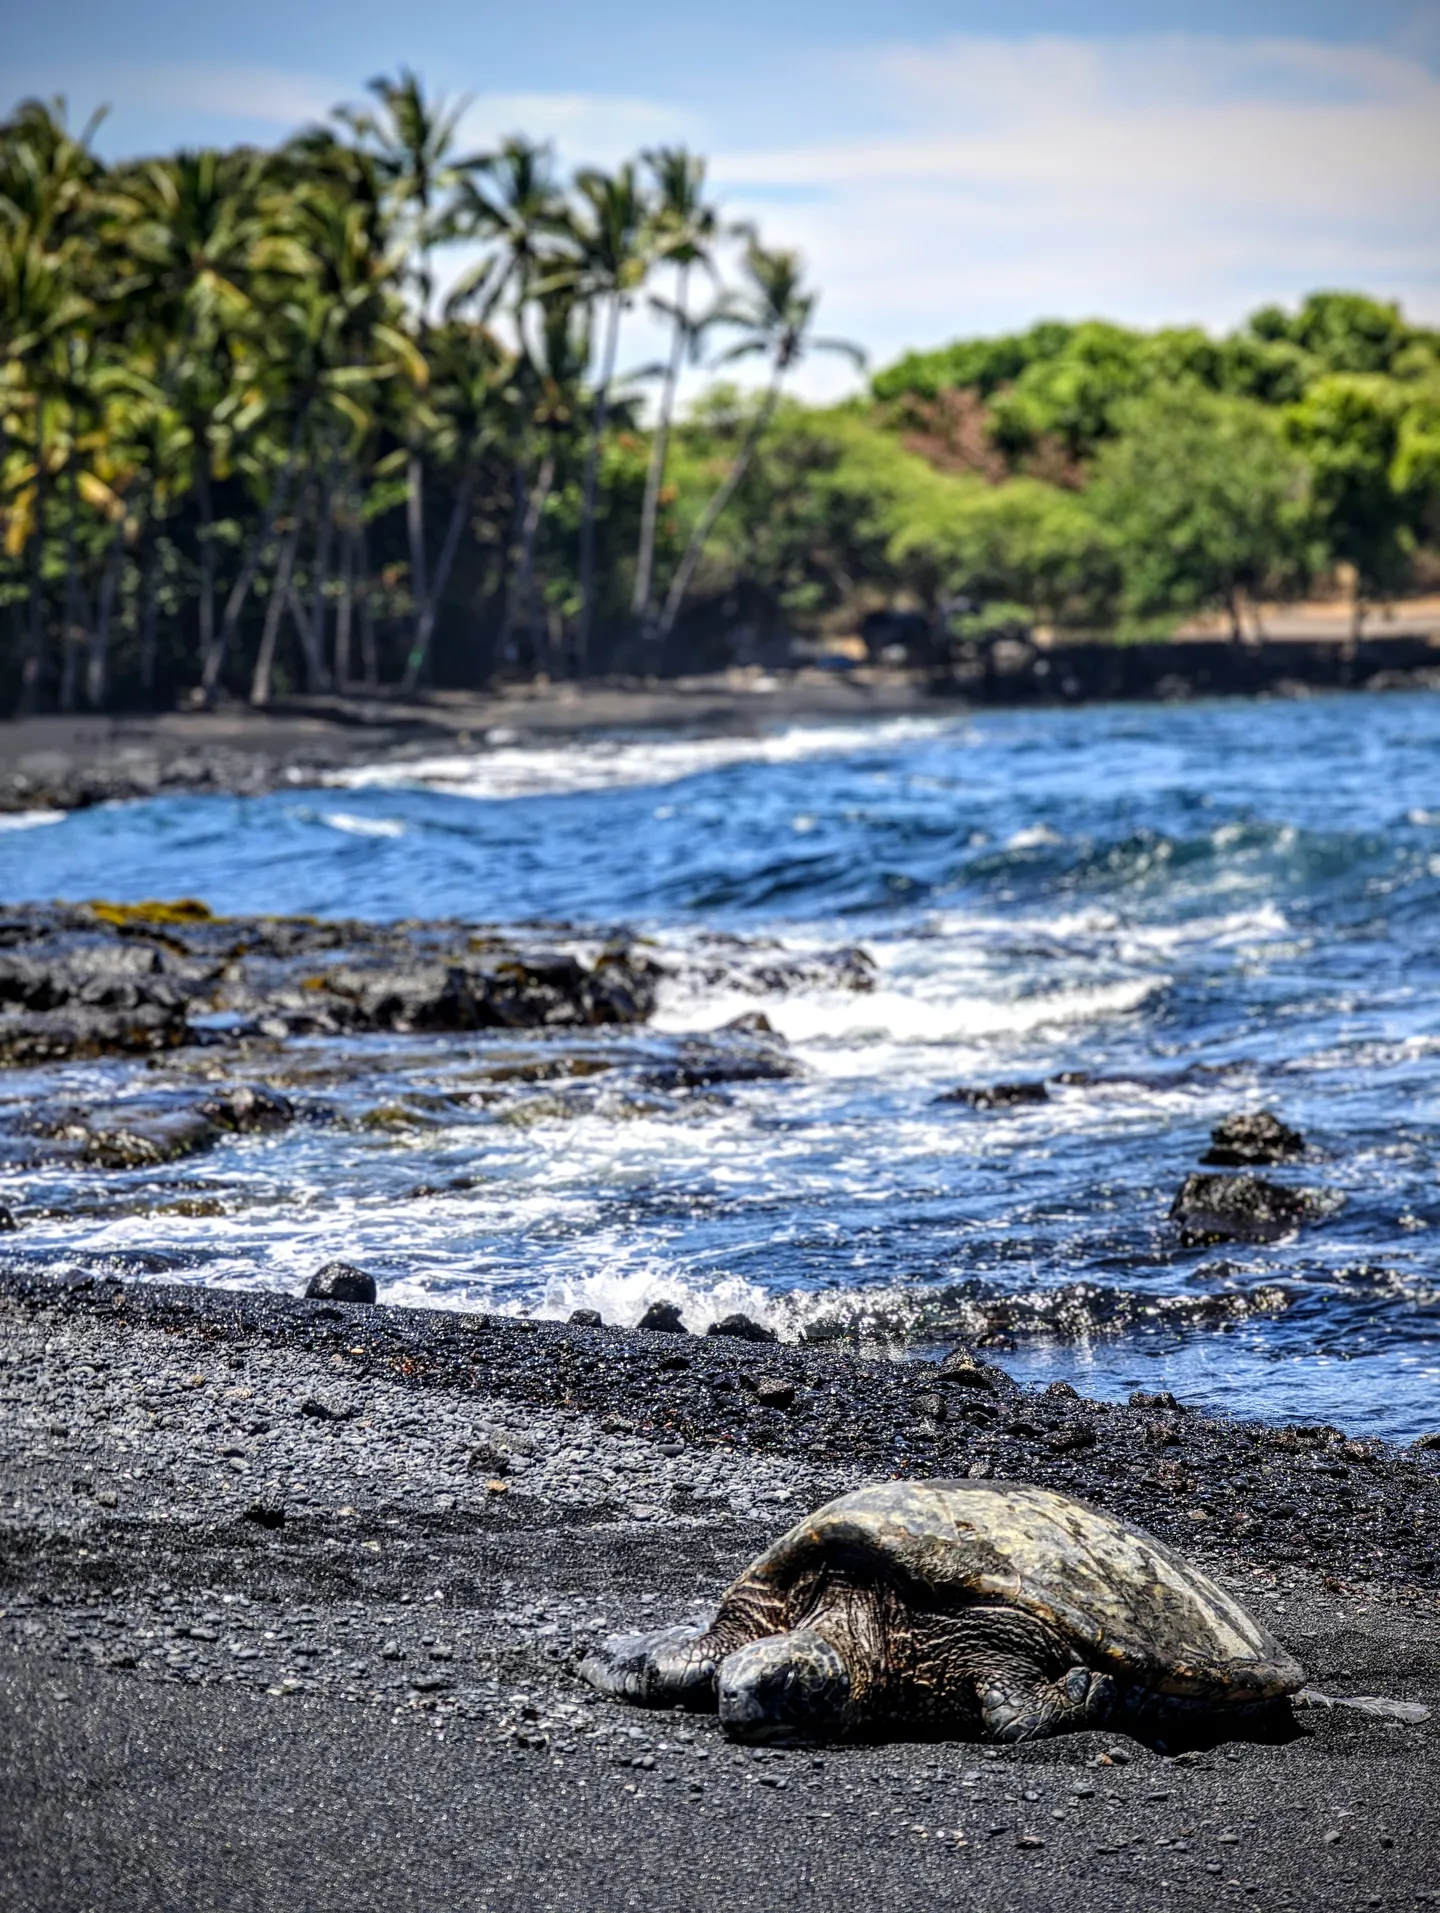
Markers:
point(928, 1407)
point(7, 1220)
point(773, 1391)
point(586, 1318)
point(247, 1109)
point(744, 1328)
point(961, 1370)
point(1155, 1398)
point(1242, 1141)
point(1063, 1391)
point(997, 1095)
point(664, 1318)
point(339, 1282)
point(1242, 1208)
point(1427, 1441)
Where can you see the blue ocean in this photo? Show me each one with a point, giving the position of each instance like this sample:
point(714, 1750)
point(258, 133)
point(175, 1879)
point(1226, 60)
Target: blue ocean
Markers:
point(1166, 914)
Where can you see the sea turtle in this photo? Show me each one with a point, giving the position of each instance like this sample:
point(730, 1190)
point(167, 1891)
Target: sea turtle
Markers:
point(988, 1610)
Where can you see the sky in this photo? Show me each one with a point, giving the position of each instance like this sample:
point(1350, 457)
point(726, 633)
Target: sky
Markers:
point(946, 169)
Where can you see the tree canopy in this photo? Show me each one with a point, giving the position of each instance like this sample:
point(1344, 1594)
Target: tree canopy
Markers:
point(362, 409)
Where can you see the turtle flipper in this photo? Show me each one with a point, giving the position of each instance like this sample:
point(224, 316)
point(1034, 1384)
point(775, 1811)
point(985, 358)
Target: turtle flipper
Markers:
point(1024, 1704)
point(671, 1666)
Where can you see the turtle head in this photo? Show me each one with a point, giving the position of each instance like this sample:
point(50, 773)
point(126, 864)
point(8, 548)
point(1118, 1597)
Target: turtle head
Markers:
point(792, 1689)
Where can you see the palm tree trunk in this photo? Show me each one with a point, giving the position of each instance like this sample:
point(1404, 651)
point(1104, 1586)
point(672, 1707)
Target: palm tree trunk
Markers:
point(369, 656)
point(97, 668)
point(279, 593)
point(345, 611)
point(74, 616)
point(35, 647)
point(425, 629)
point(655, 477)
point(149, 605)
point(240, 590)
point(317, 675)
point(415, 526)
point(521, 605)
point(592, 474)
point(206, 507)
point(680, 583)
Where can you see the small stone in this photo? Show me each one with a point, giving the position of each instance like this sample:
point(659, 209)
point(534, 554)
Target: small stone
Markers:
point(773, 1392)
point(106, 1498)
point(1159, 1398)
point(744, 1329)
point(317, 1408)
point(266, 1514)
point(663, 1318)
point(1062, 1391)
point(928, 1408)
point(1028, 1840)
point(586, 1318)
point(1068, 1440)
point(339, 1282)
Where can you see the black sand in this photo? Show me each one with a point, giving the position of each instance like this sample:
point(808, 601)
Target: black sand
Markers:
point(293, 1595)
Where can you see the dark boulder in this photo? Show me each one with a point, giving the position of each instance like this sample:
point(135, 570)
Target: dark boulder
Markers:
point(744, 1328)
point(664, 1318)
point(1260, 1137)
point(997, 1095)
point(339, 1282)
point(586, 1318)
point(7, 1220)
point(1243, 1209)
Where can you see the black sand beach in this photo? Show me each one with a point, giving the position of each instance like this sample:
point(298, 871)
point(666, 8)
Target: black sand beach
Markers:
point(294, 1593)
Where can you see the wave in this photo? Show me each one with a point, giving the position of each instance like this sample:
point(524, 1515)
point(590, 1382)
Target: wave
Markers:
point(31, 819)
point(510, 770)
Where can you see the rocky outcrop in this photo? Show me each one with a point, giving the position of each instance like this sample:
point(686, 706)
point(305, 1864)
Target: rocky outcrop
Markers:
point(1244, 1209)
point(1253, 1140)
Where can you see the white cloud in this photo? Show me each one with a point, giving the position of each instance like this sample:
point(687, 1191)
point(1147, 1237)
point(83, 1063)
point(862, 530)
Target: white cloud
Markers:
point(1150, 179)
point(588, 129)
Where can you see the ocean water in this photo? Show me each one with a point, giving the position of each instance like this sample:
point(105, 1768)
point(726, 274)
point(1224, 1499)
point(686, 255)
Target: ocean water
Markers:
point(1200, 909)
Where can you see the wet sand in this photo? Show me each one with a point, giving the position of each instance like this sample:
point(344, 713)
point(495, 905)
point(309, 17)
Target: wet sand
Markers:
point(293, 1595)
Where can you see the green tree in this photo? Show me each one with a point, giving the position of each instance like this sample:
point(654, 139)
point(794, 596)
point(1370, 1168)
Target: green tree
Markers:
point(774, 314)
point(686, 229)
point(1206, 502)
point(1348, 425)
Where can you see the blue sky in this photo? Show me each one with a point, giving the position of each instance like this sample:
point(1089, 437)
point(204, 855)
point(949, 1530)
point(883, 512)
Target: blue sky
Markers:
point(945, 168)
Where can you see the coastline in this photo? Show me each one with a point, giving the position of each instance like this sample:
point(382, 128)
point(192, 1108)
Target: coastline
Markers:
point(59, 763)
point(294, 1593)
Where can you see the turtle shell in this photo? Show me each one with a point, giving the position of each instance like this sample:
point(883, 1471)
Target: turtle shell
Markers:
point(1127, 1603)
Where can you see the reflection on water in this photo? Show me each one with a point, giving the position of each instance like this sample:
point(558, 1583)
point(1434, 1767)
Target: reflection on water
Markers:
point(1187, 910)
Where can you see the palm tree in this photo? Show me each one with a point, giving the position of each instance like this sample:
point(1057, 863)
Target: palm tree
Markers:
point(612, 228)
point(186, 228)
point(413, 139)
point(46, 186)
point(686, 228)
point(469, 368)
point(774, 313)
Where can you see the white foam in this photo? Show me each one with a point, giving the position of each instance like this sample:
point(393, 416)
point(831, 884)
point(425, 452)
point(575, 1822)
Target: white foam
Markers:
point(600, 763)
point(362, 826)
point(31, 819)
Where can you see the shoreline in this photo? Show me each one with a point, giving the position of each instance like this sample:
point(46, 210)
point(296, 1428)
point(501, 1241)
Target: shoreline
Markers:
point(293, 1595)
point(61, 763)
